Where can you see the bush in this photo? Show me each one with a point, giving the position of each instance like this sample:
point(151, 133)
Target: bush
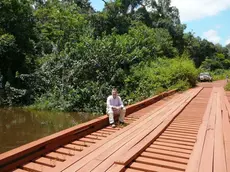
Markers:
point(82, 75)
point(162, 74)
point(227, 87)
point(220, 74)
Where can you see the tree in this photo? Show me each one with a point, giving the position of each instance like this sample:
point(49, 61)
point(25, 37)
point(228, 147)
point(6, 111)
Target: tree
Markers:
point(59, 23)
point(17, 38)
point(228, 47)
point(164, 15)
point(84, 5)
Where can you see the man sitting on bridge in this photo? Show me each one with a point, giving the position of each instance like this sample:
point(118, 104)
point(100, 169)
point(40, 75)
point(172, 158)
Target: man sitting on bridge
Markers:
point(115, 106)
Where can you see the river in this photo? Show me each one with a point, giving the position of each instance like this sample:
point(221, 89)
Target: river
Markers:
point(19, 126)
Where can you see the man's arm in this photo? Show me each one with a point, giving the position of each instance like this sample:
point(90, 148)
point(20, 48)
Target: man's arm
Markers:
point(121, 103)
point(109, 106)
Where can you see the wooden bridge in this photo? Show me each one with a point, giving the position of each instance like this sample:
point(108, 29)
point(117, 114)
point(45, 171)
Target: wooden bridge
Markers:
point(171, 132)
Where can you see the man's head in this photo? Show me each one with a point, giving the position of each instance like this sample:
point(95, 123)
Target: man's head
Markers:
point(114, 93)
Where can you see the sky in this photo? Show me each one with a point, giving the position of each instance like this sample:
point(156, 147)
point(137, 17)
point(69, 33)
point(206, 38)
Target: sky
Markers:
point(208, 19)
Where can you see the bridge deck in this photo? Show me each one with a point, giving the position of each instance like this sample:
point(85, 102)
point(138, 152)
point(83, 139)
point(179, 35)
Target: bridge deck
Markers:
point(189, 133)
point(199, 142)
point(184, 132)
point(138, 135)
point(57, 159)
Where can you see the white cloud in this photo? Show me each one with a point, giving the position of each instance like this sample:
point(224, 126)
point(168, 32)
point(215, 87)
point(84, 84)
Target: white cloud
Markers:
point(227, 41)
point(212, 36)
point(197, 9)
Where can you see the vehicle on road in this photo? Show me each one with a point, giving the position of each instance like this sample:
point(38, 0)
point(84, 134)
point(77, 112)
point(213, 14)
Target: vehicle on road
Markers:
point(205, 77)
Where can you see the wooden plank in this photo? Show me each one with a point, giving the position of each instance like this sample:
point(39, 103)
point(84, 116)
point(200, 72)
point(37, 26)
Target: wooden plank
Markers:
point(152, 168)
point(132, 170)
point(66, 152)
point(161, 147)
point(173, 145)
point(93, 137)
point(87, 140)
point(177, 139)
point(176, 142)
point(185, 122)
point(36, 167)
point(179, 136)
point(115, 129)
point(99, 135)
point(46, 161)
point(107, 130)
point(206, 162)
point(13, 165)
point(56, 156)
point(19, 170)
point(195, 157)
point(105, 133)
point(162, 163)
point(116, 168)
point(219, 149)
point(164, 157)
point(227, 106)
point(74, 147)
point(81, 143)
point(188, 125)
point(93, 163)
point(183, 128)
point(181, 131)
point(226, 129)
point(164, 152)
point(186, 119)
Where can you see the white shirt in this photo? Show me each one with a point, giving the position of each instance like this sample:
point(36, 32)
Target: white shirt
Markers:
point(114, 102)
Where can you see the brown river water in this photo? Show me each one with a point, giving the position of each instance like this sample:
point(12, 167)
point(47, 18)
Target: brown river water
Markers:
point(19, 126)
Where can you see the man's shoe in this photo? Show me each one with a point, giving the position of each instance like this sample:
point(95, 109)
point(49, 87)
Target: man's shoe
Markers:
point(113, 125)
point(122, 123)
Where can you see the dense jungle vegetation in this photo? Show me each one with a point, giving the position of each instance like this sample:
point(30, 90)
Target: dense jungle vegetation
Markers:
point(63, 55)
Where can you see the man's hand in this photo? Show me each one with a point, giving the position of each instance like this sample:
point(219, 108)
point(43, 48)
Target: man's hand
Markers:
point(116, 108)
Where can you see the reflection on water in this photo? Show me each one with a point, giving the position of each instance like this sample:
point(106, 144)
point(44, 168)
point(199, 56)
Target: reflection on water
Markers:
point(19, 126)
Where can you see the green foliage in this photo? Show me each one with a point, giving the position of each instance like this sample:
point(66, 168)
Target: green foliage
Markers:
point(60, 24)
point(198, 49)
point(228, 48)
point(109, 60)
point(227, 87)
point(17, 38)
point(7, 46)
point(220, 74)
point(14, 96)
point(217, 61)
point(164, 74)
point(62, 55)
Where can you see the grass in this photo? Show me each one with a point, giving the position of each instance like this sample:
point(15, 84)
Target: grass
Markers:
point(227, 87)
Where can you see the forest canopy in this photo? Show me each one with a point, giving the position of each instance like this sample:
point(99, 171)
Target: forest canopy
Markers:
point(64, 55)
